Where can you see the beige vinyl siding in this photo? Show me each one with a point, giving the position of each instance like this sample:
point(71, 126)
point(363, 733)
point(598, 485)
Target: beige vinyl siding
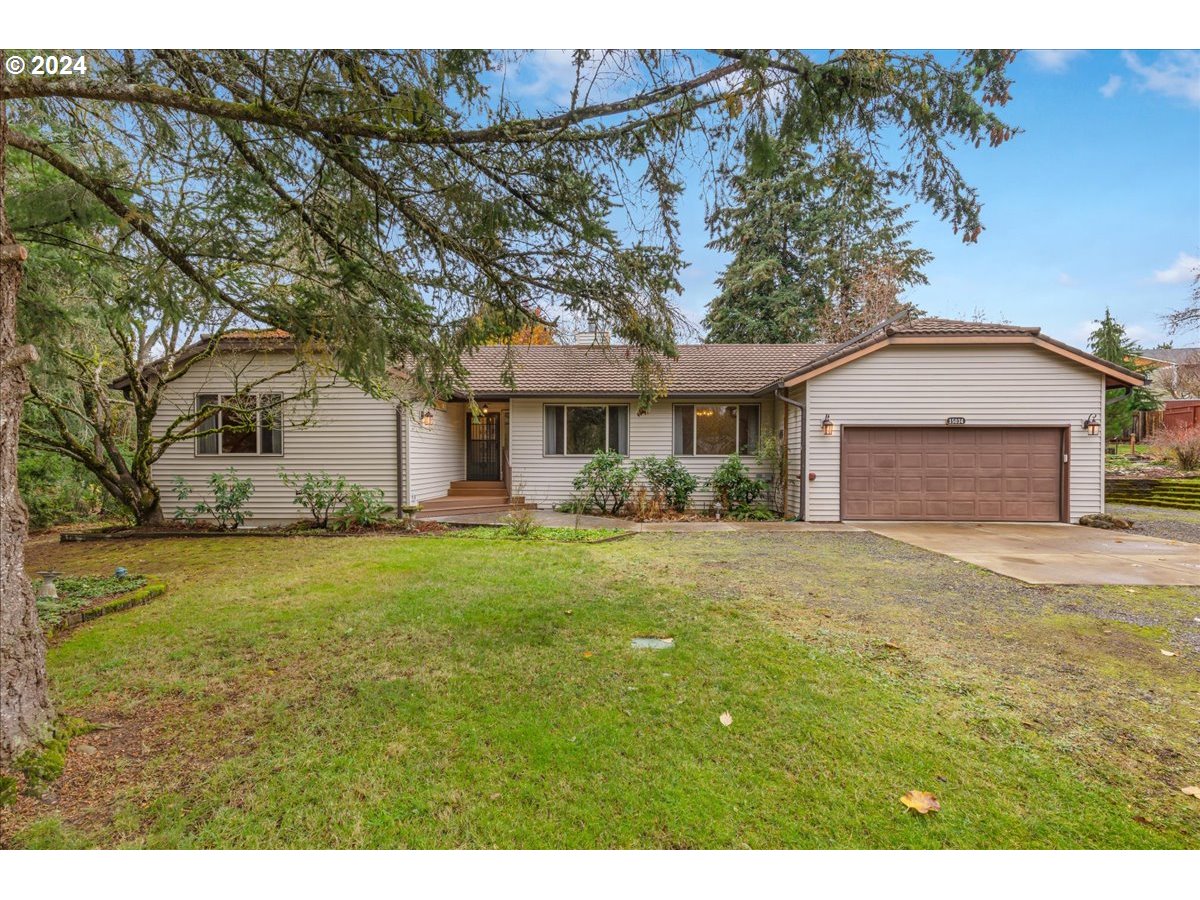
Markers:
point(436, 455)
point(986, 384)
point(546, 480)
point(347, 432)
point(795, 452)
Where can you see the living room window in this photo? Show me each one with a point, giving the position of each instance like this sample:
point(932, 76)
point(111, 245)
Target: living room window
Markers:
point(244, 425)
point(571, 430)
point(716, 429)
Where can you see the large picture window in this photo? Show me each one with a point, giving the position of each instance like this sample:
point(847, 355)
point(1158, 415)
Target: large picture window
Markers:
point(245, 425)
point(582, 430)
point(711, 429)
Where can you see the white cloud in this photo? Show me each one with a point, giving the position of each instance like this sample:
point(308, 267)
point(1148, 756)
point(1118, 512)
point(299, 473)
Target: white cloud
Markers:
point(1053, 60)
point(1110, 87)
point(1173, 73)
point(1065, 280)
point(1182, 270)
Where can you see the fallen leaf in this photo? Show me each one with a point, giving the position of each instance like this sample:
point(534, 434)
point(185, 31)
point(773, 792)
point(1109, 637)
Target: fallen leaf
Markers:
point(1167, 652)
point(1192, 791)
point(587, 654)
point(726, 719)
point(921, 801)
point(495, 796)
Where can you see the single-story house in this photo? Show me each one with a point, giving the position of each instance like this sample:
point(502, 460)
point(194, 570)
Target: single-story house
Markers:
point(925, 419)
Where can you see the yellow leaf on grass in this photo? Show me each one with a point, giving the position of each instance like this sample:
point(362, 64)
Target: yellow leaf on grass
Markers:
point(587, 654)
point(1192, 791)
point(1167, 652)
point(921, 801)
point(726, 719)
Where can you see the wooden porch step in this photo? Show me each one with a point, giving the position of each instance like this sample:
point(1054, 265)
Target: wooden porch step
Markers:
point(446, 506)
point(478, 488)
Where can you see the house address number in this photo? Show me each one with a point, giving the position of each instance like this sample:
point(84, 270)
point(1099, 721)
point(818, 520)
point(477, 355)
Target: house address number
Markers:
point(956, 420)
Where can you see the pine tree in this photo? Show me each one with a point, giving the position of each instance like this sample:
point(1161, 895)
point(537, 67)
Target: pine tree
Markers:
point(1110, 342)
point(807, 232)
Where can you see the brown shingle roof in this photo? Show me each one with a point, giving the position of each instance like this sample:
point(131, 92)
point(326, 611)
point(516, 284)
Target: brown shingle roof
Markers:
point(700, 368)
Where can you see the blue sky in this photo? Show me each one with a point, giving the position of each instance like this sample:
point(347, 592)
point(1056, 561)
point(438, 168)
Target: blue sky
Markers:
point(1097, 203)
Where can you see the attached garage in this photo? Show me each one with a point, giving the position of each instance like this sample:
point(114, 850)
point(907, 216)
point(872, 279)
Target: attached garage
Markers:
point(951, 473)
point(939, 420)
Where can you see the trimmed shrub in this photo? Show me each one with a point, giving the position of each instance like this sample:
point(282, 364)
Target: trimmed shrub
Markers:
point(364, 508)
point(605, 482)
point(230, 494)
point(670, 483)
point(318, 492)
point(736, 488)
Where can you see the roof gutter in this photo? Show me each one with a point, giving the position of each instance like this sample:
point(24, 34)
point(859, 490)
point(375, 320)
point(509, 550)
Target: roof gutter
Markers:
point(780, 395)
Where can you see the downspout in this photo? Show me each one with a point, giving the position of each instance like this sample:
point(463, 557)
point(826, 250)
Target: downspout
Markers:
point(779, 395)
point(401, 451)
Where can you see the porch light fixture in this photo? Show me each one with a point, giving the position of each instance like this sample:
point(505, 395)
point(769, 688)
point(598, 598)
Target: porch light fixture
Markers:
point(427, 419)
point(1092, 424)
point(483, 409)
point(827, 425)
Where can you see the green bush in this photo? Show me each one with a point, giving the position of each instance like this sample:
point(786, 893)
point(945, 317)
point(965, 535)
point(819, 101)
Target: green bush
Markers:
point(363, 508)
point(606, 482)
point(735, 487)
point(670, 482)
point(58, 490)
point(318, 492)
point(230, 494)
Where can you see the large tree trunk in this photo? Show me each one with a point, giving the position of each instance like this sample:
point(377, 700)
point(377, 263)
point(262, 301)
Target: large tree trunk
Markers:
point(25, 710)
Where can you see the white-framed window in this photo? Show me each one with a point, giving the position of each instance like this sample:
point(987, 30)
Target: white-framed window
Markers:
point(583, 429)
point(716, 429)
point(245, 425)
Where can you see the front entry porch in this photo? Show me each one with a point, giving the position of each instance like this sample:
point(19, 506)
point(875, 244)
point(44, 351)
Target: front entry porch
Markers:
point(469, 497)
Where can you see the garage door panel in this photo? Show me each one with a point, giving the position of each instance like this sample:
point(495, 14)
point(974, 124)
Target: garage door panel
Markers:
point(952, 473)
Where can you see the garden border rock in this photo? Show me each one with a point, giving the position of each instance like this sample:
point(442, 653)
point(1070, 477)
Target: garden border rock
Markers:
point(119, 603)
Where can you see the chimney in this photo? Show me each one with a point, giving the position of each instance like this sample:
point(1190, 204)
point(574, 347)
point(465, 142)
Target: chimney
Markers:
point(593, 336)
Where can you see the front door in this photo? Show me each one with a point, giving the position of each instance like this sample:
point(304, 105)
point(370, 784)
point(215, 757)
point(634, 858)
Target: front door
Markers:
point(483, 448)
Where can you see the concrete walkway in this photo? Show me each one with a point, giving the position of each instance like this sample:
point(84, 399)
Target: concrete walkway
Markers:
point(554, 519)
point(1054, 554)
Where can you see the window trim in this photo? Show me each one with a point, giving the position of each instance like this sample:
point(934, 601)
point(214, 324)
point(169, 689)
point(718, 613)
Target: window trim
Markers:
point(737, 429)
point(607, 419)
point(258, 426)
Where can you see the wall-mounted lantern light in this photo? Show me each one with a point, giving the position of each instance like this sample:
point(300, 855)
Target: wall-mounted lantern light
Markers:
point(1092, 424)
point(483, 409)
point(427, 419)
point(827, 425)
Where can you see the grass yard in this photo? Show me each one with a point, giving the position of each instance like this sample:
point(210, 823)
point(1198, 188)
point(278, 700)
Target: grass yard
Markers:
point(449, 692)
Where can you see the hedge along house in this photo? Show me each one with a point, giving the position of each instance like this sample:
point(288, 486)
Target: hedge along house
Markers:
point(927, 419)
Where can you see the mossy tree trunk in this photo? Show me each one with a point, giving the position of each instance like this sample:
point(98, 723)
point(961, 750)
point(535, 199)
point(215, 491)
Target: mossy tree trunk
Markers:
point(25, 709)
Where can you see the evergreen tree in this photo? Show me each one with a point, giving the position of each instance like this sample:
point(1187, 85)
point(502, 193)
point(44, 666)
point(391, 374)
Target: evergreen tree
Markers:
point(380, 200)
point(808, 235)
point(1110, 342)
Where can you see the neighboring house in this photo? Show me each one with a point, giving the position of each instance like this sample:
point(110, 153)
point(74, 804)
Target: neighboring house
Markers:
point(1174, 380)
point(1175, 372)
point(926, 419)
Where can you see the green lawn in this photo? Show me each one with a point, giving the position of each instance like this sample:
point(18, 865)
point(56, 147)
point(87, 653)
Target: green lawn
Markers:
point(442, 692)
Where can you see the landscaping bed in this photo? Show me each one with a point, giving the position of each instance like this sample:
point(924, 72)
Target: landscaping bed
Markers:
point(87, 597)
point(298, 529)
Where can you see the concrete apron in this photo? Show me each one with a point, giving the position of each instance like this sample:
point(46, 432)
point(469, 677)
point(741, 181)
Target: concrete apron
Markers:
point(1053, 553)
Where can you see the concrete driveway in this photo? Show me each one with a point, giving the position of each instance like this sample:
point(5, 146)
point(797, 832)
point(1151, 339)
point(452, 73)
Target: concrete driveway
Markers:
point(1054, 554)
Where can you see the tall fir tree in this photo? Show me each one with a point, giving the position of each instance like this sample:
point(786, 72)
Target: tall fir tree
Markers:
point(1110, 342)
point(808, 231)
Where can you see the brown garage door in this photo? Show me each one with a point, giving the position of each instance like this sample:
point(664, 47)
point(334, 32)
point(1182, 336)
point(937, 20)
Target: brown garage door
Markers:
point(972, 474)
